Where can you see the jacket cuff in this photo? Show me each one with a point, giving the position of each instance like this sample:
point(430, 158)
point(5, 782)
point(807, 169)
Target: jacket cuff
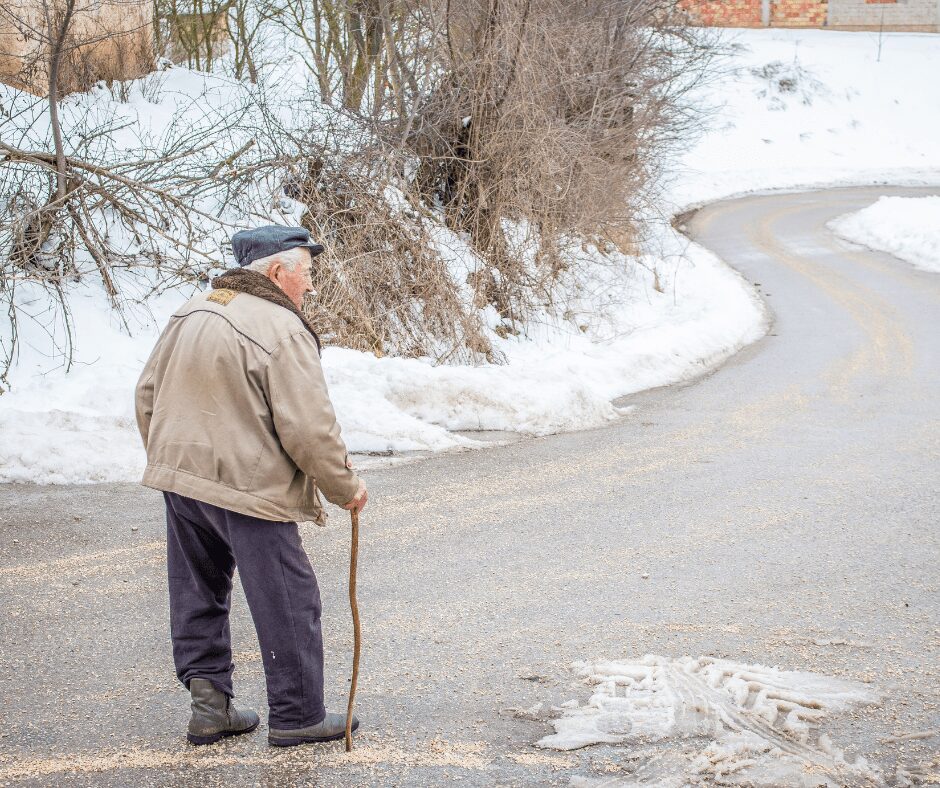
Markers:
point(343, 493)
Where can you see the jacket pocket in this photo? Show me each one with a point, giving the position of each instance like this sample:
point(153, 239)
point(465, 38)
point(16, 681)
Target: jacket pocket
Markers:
point(311, 503)
point(217, 464)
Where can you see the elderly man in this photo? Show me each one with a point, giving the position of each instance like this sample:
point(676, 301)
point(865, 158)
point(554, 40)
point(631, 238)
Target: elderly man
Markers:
point(240, 435)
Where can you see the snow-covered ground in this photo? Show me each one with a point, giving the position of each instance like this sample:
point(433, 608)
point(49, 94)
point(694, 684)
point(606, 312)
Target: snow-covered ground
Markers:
point(797, 108)
point(907, 227)
point(815, 108)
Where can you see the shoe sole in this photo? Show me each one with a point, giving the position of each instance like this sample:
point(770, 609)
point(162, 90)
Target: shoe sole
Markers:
point(212, 738)
point(293, 741)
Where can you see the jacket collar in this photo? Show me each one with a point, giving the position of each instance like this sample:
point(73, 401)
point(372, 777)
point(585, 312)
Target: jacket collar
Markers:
point(256, 284)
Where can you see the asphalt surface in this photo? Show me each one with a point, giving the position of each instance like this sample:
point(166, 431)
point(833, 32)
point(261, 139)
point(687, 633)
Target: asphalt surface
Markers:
point(784, 508)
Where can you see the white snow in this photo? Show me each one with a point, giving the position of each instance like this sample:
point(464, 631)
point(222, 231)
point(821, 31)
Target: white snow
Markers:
point(816, 107)
point(907, 227)
point(798, 108)
point(61, 426)
point(745, 724)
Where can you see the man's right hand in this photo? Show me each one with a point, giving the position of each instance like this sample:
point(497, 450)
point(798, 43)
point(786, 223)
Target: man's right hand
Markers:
point(358, 503)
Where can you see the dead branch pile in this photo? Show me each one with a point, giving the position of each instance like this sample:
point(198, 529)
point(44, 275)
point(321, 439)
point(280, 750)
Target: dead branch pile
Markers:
point(87, 207)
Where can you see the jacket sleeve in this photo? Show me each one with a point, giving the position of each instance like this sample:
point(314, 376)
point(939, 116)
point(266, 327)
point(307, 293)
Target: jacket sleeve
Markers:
point(143, 398)
point(304, 418)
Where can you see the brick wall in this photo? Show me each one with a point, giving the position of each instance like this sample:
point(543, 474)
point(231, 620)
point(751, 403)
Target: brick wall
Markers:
point(751, 13)
point(798, 13)
point(724, 13)
point(896, 14)
point(839, 14)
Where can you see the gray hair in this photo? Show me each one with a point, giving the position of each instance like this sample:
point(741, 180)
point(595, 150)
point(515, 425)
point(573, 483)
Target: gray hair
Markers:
point(289, 258)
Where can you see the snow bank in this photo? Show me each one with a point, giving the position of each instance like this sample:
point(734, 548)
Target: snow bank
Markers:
point(78, 426)
point(907, 227)
point(59, 425)
point(557, 377)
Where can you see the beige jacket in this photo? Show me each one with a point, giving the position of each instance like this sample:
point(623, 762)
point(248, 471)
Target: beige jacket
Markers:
point(233, 410)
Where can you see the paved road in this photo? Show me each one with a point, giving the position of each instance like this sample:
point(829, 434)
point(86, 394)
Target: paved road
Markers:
point(785, 509)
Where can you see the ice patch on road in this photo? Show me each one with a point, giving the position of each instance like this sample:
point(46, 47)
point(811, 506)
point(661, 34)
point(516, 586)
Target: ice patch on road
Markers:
point(754, 725)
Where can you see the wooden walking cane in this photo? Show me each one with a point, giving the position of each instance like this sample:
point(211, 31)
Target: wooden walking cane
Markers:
point(353, 560)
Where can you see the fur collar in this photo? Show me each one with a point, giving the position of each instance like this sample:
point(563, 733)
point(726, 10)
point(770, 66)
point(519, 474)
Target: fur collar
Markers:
point(253, 283)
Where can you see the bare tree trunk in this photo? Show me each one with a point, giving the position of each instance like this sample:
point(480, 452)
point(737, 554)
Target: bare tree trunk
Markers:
point(55, 64)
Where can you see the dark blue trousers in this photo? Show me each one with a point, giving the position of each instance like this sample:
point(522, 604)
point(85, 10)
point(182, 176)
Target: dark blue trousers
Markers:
point(204, 546)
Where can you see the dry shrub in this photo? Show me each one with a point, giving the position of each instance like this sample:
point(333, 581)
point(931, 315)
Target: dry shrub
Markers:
point(541, 122)
point(555, 116)
point(381, 285)
point(104, 40)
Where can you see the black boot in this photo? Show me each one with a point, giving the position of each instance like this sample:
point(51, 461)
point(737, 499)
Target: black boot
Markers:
point(214, 716)
point(332, 728)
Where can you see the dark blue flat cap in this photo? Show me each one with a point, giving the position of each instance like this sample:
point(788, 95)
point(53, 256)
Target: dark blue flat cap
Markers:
point(251, 245)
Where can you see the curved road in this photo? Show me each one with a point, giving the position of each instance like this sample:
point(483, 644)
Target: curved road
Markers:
point(784, 508)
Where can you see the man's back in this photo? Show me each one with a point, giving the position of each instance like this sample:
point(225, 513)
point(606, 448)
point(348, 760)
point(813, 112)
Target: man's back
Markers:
point(234, 411)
